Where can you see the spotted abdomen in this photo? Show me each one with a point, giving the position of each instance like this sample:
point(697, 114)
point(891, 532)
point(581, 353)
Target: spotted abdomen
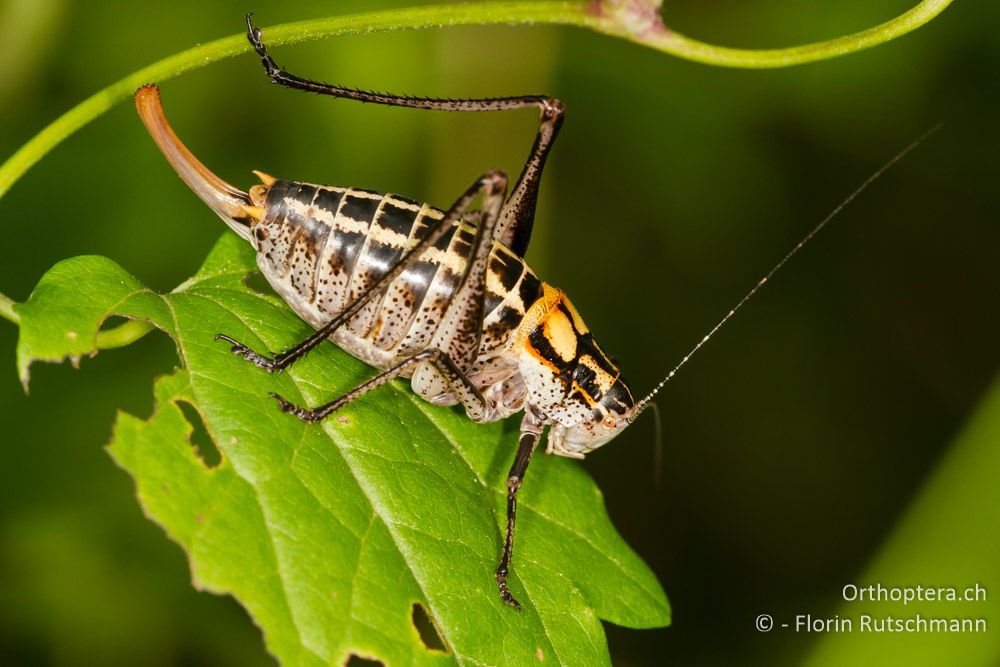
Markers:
point(321, 247)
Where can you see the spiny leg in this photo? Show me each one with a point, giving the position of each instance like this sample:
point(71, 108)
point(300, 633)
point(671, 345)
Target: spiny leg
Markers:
point(531, 430)
point(456, 379)
point(518, 214)
point(518, 217)
point(487, 184)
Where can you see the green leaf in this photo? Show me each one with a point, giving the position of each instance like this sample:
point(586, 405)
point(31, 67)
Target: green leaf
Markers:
point(328, 534)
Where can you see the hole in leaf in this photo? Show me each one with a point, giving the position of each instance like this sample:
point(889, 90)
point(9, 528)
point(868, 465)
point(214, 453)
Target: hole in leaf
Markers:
point(358, 661)
point(427, 630)
point(200, 439)
point(258, 283)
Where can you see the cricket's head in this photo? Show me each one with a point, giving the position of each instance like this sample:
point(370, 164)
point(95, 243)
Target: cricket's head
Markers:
point(569, 379)
point(610, 416)
point(238, 209)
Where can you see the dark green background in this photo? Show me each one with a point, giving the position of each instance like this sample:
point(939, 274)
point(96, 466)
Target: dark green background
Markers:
point(792, 443)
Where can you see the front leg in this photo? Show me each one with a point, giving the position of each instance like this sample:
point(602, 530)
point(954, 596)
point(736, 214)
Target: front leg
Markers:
point(531, 430)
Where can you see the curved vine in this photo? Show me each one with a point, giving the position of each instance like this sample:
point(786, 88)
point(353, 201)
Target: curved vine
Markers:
point(638, 21)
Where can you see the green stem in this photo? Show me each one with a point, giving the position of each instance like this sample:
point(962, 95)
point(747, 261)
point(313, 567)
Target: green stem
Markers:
point(123, 334)
point(635, 20)
point(7, 309)
point(621, 18)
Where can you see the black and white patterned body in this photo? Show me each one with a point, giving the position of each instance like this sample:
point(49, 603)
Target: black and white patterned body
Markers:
point(322, 247)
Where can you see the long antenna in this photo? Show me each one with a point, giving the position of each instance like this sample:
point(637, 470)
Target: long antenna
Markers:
point(791, 253)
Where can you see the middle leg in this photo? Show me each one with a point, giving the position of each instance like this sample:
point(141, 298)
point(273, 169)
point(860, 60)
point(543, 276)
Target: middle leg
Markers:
point(457, 382)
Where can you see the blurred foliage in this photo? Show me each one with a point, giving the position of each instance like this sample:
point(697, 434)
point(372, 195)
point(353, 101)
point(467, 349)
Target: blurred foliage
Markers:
point(794, 442)
point(947, 537)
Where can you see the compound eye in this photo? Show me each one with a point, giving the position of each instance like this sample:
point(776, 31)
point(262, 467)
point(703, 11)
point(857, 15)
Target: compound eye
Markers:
point(609, 422)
